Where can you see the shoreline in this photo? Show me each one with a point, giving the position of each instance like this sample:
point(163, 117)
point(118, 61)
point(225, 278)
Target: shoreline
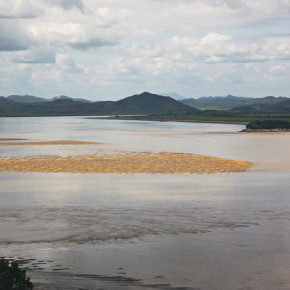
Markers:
point(126, 118)
point(265, 130)
point(7, 141)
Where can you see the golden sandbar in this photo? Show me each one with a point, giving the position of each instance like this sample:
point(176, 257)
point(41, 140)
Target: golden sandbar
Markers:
point(56, 142)
point(126, 163)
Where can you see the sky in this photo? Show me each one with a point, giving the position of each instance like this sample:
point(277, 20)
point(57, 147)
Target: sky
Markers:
point(108, 50)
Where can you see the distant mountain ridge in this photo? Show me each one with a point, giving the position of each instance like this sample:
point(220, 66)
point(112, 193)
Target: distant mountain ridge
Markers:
point(145, 103)
point(231, 102)
point(26, 99)
point(142, 104)
point(278, 106)
point(33, 99)
point(174, 96)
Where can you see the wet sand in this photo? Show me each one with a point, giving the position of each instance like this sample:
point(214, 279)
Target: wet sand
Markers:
point(11, 139)
point(163, 162)
point(56, 142)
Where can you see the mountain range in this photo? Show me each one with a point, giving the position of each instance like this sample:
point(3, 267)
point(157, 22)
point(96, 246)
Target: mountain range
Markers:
point(142, 104)
point(234, 103)
point(32, 99)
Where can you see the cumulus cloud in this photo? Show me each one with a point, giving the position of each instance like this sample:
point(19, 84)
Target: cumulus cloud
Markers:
point(18, 9)
point(126, 41)
point(67, 4)
point(71, 34)
point(177, 15)
point(215, 47)
point(67, 64)
point(36, 56)
point(91, 43)
point(13, 37)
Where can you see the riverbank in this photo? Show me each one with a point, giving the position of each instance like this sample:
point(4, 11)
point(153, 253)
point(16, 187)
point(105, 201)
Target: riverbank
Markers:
point(165, 118)
point(265, 130)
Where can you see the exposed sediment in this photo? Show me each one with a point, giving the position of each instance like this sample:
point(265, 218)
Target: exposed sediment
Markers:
point(164, 162)
point(11, 139)
point(56, 142)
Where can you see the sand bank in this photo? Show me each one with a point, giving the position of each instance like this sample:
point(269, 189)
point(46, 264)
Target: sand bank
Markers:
point(11, 139)
point(126, 163)
point(56, 142)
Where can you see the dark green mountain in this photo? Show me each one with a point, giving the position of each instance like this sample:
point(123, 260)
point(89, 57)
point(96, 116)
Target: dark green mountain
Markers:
point(143, 104)
point(283, 106)
point(32, 99)
point(147, 103)
point(69, 98)
point(277, 105)
point(26, 99)
point(231, 102)
point(174, 96)
point(216, 103)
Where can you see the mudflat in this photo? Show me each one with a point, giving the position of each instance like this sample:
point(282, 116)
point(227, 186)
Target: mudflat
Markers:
point(55, 142)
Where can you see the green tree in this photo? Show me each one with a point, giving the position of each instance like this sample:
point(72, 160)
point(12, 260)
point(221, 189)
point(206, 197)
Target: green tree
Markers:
point(13, 278)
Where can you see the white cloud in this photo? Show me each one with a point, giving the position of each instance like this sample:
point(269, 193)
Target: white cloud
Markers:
point(17, 9)
point(225, 48)
point(67, 4)
point(67, 64)
point(280, 70)
point(13, 37)
point(145, 43)
point(39, 55)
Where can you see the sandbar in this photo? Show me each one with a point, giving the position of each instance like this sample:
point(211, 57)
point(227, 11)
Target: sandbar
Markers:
point(147, 162)
point(11, 139)
point(55, 142)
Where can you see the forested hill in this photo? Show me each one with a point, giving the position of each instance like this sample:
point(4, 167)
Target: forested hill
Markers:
point(145, 103)
point(235, 103)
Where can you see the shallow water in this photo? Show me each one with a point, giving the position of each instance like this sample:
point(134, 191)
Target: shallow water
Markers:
point(144, 231)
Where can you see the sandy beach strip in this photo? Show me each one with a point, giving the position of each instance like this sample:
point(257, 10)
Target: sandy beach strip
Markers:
point(11, 139)
point(55, 142)
point(164, 162)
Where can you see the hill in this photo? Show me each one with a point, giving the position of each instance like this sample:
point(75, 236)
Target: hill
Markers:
point(216, 103)
point(147, 103)
point(174, 96)
point(279, 105)
point(142, 104)
point(69, 98)
point(32, 99)
point(232, 102)
point(26, 99)
point(283, 107)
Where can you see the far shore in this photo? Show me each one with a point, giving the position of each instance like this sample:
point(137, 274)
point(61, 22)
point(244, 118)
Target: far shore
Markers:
point(265, 130)
point(165, 119)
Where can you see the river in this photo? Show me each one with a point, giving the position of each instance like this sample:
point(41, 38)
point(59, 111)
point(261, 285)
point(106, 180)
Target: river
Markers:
point(225, 231)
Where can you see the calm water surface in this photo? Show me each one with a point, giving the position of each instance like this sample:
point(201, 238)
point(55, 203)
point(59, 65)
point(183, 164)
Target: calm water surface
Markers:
point(145, 231)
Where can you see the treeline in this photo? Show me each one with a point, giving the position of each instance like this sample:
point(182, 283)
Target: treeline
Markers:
point(268, 125)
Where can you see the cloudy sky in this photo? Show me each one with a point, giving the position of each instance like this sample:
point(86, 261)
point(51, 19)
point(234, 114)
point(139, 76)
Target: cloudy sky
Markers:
point(111, 49)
